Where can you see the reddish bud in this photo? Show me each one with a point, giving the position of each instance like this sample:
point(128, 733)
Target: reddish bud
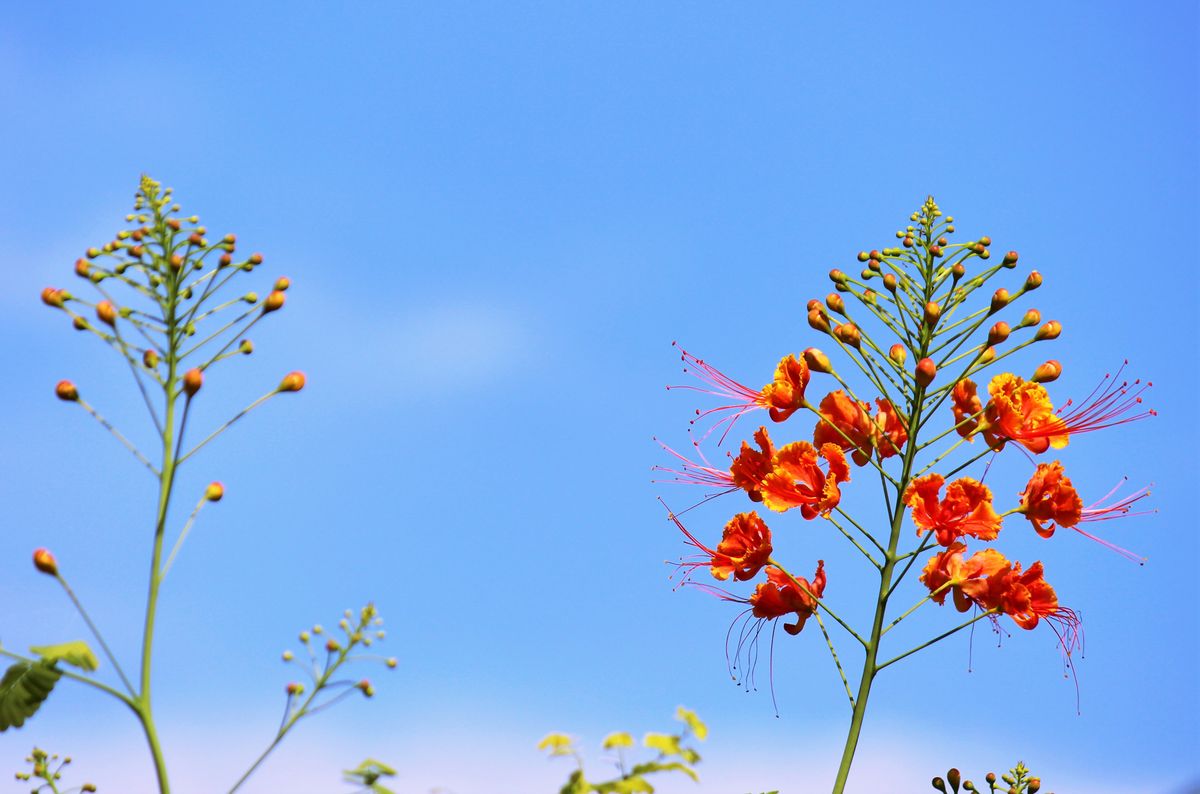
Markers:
point(933, 313)
point(214, 492)
point(195, 239)
point(1033, 281)
point(1032, 317)
point(365, 687)
point(255, 259)
point(999, 333)
point(1010, 259)
point(225, 261)
point(908, 242)
point(294, 689)
point(954, 778)
point(137, 251)
point(1050, 330)
point(889, 282)
point(817, 361)
point(936, 250)
point(837, 276)
point(273, 302)
point(53, 297)
point(282, 283)
point(818, 320)
point(44, 561)
point(176, 262)
point(814, 305)
point(106, 312)
point(174, 223)
point(835, 303)
point(193, 379)
point(293, 381)
point(958, 271)
point(926, 371)
point(229, 239)
point(985, 240)
point(150, 359)
point(898, 354)
point(1000, 299)
point(81, 268)
point(1047, 372)
point(66, 391)
point(874, 255)
point(848, 334)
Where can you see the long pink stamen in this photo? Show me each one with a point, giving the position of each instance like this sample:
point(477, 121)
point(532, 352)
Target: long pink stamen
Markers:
point(1107, 406)
point(745, 399)
point(1097, 511)
point(692, 473)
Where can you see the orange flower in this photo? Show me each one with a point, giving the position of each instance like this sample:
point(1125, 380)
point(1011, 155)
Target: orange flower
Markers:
point(751, 466)
point(966, 407)
point(891, 432)
point(796, 479)
point(1021, 411)
point(779, 596)
point(744, 549)
point(1050, 499)
point(782, 397)
point(967, 579)
point(846, 423)
point(966, 510)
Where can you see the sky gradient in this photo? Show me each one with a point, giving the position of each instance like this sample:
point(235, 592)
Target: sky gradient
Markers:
point(496, 221)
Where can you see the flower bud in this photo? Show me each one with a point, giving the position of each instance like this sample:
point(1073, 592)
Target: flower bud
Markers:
point(999, 333)
point(391, 663)
point(818, 320)
point(863, 256)
point(848, 334)
point(1047, 372)
point(282, 283)
point(106, 313)
point(933, 313)
point(246, 347)
point(953, 776)
point(287, 656)
point(82, 268)
point(365, 687)
point(92, 253)
point(889, 282)
point(44, 561)
point(66, 391)
point(1034, 785)
point(1050, 330)
point(1032, 317)
point(926, 372)
point(193, 379)
point(195, 239)
point(295, 688)
point(908, 241)
point(176, 261)
point(80, 324)
point(150, 359)
point(936, 250)
point(958, 271)
point(985, 240)
point(991, 776)
point(987, 355)
point(1033, 281)
point(817, 361)
point(53, 297)
point(898, 354)
point(1010, 260)
point(1000, 299)
point(174, 223)
point(874, 266)
point(814, 305)
point(835, 303)
point(332, 646)
point(939, 784)
point(88, 787)
point(273, 302)
point(293, 381)
point(214, 492)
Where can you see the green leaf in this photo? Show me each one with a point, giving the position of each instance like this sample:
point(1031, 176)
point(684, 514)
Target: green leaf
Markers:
point(557, 744)
point(576, 784)
point(618, 739)
point(699, 729)
point(76, 654)
point(23, 689)
point(634, 784)
point(667, 745)
point(656, 766)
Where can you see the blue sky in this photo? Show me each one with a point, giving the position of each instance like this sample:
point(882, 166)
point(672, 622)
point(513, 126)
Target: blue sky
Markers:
point(496, 220)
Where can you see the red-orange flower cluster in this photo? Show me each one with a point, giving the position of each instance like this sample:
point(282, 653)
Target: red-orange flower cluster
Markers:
point(744, 549)
point(966, 511)
point(796, 479)
point(781, 595)
point(1050, 501)
point(849, 424)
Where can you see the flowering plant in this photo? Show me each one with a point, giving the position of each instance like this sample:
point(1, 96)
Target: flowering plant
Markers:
point(918, 293)
point(171, 334)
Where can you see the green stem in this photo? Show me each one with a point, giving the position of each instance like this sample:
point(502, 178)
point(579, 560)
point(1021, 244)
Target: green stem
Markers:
point(95, 632)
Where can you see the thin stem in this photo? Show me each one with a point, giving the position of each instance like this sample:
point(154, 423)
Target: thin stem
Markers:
point(230, 423)
point(95, 632)
point(182, 537)
point(939, 637)
point(858, 526)
point(857, 545)
point(916, 606)
point(117, 434)
point(836, 661)
point(818, 601)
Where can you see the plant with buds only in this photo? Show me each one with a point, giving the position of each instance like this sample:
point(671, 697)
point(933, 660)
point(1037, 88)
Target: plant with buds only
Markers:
point(1017, 780)
point(917, 348)
point(163, 306)
point(48, 768)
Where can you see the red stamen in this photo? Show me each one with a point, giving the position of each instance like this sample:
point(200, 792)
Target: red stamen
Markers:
point(745, 398)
